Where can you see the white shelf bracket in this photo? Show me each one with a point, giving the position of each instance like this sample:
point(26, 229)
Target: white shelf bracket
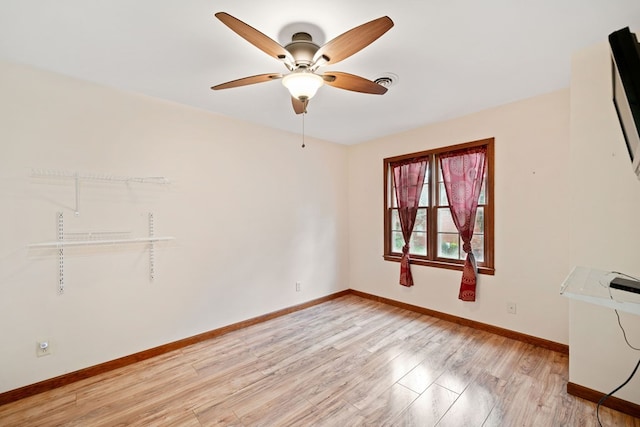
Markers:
point(77, 181)
point(60, 253)
point(152, 271)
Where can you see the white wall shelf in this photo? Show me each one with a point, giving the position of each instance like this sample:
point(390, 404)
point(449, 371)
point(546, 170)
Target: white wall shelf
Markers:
point(77, 177)
point(63, 244)
point(66, 240)
point(45, 173)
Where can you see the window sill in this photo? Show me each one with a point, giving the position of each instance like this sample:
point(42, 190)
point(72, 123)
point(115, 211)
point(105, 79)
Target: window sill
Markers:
point(441, 264)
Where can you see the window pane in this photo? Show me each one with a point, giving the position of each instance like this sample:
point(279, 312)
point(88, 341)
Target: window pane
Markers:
point(393, 197)
point(482, 200)
point(424, 196)
point(395, 220)
point(397, 241)
point(418, 243)
point(421, 220)
point(448, 245)
point(442, 193)
point(479, 225)
point(445, 221)
point(477, 245)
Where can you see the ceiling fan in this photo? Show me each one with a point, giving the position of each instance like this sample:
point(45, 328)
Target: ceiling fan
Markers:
point(303, 57)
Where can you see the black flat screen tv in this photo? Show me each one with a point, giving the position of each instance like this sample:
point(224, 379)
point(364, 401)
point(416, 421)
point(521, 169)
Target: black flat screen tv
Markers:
point(625, 55)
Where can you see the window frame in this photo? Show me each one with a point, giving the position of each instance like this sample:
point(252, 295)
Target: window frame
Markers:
point(431, 259)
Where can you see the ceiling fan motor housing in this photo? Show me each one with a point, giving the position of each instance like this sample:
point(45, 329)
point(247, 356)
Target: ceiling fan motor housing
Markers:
point(302, 48)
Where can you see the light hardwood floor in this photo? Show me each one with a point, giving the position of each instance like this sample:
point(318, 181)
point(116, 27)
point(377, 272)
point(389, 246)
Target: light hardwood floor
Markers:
point(347, 362)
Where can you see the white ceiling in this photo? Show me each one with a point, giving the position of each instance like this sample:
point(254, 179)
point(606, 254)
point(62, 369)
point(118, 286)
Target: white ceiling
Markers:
point(453, 57)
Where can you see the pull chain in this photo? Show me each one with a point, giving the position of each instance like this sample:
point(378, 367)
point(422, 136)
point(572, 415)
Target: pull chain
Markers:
point(303, 113)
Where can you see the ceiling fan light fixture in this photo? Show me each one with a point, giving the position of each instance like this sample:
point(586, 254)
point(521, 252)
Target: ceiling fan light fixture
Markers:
point(302, 84)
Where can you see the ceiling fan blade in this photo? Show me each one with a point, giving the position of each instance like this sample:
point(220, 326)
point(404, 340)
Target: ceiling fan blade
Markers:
point(256, 38)
point(299, 106)
point(352, 82)
point(260, 78)
point(352, 41)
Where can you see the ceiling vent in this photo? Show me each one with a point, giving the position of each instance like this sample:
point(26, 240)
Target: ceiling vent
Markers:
point(387, 80)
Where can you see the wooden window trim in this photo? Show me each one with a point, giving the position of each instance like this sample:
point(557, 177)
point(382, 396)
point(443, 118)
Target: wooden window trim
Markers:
point(488, 266)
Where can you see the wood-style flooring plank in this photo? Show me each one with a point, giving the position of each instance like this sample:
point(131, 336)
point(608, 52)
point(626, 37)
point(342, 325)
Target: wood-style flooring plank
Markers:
point(350, 361)
point(386, 407)
point(332, 412)
point(428, 408)
point(428, 370)
point(475, 403)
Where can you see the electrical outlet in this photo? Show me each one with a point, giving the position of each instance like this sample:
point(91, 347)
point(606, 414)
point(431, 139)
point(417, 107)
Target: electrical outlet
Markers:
point(297, 286)
point(43, 348)
point(511, 307)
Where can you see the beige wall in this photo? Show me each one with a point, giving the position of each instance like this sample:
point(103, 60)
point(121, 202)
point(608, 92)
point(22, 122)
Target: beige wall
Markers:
point(605, 226)
point(531, 218)
point(252, 213)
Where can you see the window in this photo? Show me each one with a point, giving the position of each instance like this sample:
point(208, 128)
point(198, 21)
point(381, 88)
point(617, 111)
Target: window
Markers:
point(435, 240)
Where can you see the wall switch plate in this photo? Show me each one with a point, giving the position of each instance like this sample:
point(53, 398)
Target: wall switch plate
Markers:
point(43, 348)
point(511, 307)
